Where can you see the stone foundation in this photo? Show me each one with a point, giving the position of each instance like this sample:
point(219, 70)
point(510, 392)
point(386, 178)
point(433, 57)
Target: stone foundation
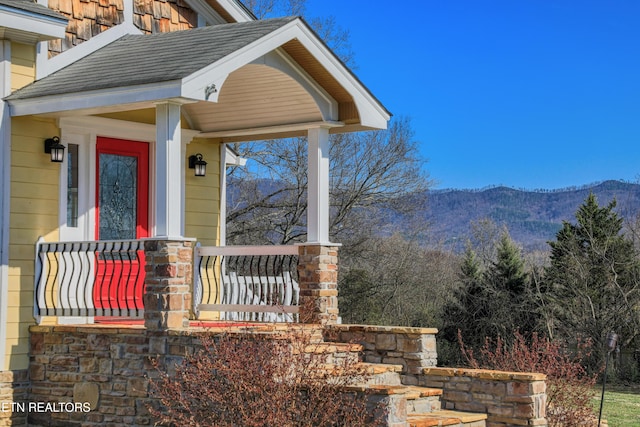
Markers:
point(102, 369)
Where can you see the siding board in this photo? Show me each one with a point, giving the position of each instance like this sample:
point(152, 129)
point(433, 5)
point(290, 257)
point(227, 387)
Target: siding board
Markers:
point(34, 213)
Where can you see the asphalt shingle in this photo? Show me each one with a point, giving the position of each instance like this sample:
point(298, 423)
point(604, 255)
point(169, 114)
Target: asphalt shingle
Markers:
point(139, 59)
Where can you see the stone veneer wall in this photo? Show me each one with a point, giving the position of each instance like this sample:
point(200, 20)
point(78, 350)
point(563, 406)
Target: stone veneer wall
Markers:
point(508, 398)
point(413, 348)
point(14, 390)
point(106, 367)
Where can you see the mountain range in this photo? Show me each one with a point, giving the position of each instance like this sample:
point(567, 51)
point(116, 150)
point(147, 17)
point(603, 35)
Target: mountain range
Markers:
point(532, 217)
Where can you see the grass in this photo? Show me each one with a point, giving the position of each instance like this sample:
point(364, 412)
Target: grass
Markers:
point(621, 406)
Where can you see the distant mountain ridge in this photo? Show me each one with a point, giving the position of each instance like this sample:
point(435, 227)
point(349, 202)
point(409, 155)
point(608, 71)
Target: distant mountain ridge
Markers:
point(532, 217)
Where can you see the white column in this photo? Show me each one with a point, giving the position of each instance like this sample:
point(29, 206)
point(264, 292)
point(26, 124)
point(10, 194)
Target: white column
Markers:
point(223, 195)
point(169, 171)
point(5, 188)
point(318, 189)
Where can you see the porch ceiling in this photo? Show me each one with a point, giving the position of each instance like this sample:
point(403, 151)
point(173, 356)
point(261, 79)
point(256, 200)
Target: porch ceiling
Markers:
point(255, 96)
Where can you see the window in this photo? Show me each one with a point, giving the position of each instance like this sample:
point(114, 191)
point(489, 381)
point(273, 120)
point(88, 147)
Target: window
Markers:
point(72, 185)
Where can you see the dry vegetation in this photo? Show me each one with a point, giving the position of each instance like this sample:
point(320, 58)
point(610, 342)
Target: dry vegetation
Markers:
point(253, 380)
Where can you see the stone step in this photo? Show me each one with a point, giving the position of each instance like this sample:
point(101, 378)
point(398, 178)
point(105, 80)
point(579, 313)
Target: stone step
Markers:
point(381, 373)
point(391, 401)
point(374, 373)
point(446, 418)
point(418, 399)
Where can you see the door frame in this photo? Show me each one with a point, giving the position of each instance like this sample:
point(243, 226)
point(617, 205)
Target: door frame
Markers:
point(140, 150)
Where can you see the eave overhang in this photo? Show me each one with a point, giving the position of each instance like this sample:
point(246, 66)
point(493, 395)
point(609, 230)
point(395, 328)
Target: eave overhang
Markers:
point(30, 27)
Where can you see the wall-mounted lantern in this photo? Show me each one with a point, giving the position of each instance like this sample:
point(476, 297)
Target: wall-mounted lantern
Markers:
point(53, 147)
point(196, 162)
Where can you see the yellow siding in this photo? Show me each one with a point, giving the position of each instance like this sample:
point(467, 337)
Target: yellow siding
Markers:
point(202, 198)
point(202, 202)
point(34, 213)
point(23, 65)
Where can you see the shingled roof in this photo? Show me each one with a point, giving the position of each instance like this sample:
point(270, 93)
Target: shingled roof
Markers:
point(32, 7)
point(143, 59)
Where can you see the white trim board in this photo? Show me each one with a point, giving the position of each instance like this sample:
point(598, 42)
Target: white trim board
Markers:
point(5, 192)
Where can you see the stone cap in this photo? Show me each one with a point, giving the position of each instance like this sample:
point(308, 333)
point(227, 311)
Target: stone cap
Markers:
point(89, 329)
point(485, 374)
point(384, 329)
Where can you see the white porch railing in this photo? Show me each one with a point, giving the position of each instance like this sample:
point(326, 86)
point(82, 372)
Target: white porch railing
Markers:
point(90, 278)
point(104, 279)
point(254, 283)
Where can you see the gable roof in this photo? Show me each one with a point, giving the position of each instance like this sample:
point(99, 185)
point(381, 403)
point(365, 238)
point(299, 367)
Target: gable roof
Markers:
point(136, 71)
point(145, 59)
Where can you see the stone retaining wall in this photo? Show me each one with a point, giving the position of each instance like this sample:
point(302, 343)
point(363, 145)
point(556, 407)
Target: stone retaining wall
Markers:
point(509, 398)
point(107, 368)
point(413, 348)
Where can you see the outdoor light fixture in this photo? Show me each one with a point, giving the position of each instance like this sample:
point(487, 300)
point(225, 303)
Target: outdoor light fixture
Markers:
point(52, 146)
point(200, 166)
point(612, 343)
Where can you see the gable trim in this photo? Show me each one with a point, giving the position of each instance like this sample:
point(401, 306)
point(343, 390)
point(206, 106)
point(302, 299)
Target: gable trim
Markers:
point(46, 66)
point(237, 10)
point(372, 113)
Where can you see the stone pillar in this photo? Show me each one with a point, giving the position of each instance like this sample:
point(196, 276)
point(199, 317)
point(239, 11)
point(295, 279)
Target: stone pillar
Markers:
point(169, 272)
point(318, 280)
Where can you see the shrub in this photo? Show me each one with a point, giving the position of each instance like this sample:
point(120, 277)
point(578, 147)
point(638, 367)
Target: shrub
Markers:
point(255, 380)
point(569, 386)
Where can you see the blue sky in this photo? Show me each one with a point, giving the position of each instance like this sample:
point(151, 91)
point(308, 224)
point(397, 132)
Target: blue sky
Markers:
point(524, 93)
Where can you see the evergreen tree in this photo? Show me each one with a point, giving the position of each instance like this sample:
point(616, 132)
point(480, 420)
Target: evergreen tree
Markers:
point(512, 305)
point(592, 281)
point(493, 300)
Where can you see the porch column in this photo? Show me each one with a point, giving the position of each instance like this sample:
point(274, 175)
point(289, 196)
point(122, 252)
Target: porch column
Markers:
point(169, 171)
point(318, 186)
point(169, 274)
point(318, 281)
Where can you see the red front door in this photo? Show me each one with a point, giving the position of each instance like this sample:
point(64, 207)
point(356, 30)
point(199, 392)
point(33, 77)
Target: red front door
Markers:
point(122, 213)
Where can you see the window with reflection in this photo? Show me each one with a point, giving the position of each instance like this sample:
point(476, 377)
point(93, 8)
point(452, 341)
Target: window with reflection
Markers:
point(72, 185)
point(118, 196)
